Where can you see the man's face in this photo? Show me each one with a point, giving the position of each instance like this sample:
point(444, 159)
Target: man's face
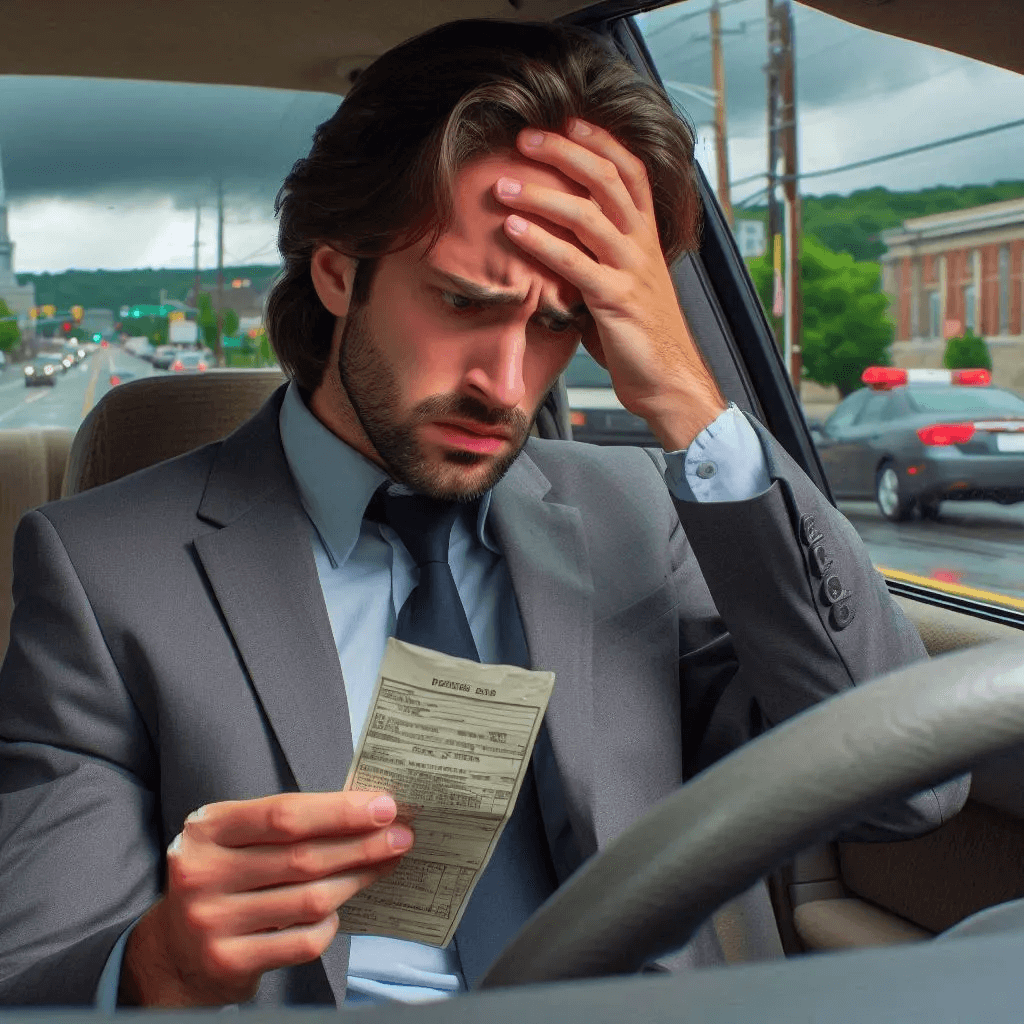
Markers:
point(446, 364)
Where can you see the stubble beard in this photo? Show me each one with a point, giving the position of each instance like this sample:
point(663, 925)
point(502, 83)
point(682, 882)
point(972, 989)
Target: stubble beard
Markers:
point(372, 388)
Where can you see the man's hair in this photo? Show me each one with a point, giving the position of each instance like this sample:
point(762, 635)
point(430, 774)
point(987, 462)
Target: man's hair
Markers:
point(381, 171)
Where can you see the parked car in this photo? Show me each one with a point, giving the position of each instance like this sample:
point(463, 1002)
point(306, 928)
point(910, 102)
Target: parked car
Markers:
point(596, 414)
point(43, 370)
point(914, 438)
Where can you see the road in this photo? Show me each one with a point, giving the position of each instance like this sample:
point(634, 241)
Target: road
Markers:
point(973, 546)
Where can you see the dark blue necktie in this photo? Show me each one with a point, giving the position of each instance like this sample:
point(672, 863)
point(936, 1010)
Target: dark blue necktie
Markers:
point(519, 876)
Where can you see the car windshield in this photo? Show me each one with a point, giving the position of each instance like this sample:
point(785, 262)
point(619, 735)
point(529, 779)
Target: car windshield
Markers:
point(968, 401)
point(585, 372)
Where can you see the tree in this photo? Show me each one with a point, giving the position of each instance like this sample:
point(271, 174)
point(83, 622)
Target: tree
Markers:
point(10, 334)
point(967, 352)
point(845, 326)
point(208, 321)
point(229, 322)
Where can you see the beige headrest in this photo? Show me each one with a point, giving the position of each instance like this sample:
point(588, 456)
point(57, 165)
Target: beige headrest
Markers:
point(145, 421)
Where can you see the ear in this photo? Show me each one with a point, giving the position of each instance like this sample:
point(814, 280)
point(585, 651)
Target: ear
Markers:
point(333, 274)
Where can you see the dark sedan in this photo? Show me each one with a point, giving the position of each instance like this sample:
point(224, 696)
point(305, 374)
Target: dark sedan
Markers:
point(914, 438)
point(43, 370)
point(596, 413)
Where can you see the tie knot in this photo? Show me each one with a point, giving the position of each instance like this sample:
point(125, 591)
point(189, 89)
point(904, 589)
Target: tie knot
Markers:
point(424, 525)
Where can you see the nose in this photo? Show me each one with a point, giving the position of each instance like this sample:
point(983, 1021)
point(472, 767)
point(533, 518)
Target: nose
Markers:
point(496, 373)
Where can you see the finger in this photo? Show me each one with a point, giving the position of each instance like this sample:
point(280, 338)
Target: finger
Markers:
point(276, 909)
point(290, 817)
point(563, 257)
point(257, 867)
point(580, 215)
point(614, 177)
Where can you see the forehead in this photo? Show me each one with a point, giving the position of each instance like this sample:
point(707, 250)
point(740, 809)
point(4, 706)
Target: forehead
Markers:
point(475, 245)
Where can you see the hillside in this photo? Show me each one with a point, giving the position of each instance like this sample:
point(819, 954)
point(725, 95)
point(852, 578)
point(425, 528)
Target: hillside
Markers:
point(112, 289)
point(854, 223)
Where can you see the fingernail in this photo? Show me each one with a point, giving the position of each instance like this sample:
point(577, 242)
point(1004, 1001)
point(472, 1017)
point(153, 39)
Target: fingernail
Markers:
point(175, 844)
point(399, 837)
point(581, 129)
point(509, 186)
point(534, 138)
point(198, 813)
point(516, 224)
point(383, 810)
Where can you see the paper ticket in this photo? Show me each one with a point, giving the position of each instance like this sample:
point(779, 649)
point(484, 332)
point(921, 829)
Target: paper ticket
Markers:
point(451, 740)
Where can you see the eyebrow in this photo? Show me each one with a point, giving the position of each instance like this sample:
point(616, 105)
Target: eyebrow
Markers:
point(490, 297)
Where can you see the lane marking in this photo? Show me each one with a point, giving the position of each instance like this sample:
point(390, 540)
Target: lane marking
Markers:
point(952, 588)
point(28, 401)
point(90, 388)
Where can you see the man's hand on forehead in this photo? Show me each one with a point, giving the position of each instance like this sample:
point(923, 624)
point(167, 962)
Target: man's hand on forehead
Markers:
point(639, 332)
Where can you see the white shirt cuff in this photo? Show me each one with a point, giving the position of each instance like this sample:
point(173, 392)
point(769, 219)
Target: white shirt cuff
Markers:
point(725, 462)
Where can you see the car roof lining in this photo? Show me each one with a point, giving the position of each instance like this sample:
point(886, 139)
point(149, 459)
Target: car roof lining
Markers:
point(317, 45)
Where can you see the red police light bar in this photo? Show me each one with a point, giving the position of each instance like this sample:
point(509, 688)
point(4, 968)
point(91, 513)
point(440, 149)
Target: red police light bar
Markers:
point(882, 377)
point(946, 433)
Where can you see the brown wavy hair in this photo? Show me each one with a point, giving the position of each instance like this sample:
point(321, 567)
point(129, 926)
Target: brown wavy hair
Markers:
point(380, 174)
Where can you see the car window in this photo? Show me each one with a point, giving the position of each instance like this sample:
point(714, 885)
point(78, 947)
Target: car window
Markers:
point(847, 412)
point(969, 401)
point(900, 189)
point(873, 410)
point(116, 243)
point(584, 371)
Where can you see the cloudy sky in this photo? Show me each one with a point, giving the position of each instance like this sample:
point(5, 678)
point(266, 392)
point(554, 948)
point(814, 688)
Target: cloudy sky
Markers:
point(109, 174)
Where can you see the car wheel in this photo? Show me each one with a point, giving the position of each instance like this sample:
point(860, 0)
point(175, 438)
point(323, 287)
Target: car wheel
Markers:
point(892, 502)
point(929, 508)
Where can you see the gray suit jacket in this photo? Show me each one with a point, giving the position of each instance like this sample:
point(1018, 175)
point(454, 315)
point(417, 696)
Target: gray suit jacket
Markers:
point(170, 647)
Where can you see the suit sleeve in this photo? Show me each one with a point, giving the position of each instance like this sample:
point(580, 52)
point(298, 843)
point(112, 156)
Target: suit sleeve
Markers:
point(805, 615)
point(78, 810)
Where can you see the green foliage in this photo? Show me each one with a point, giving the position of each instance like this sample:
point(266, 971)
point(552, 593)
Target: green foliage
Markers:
point(153, 327)
point(230, 322)
point(967, 352)
point(10, 334)
point(208, 321)
point(112, 289)
point(845, 327)
point(854, 223)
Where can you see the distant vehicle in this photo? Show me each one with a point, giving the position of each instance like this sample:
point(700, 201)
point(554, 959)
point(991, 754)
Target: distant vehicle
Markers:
point(164, 356)
point(138, 345)
point(596, 413)
point(915, 438)
point(98, 325)
point(190, 362)
point(43, 370)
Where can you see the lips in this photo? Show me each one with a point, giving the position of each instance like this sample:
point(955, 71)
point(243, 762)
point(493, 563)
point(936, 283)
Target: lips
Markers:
point(474, 438)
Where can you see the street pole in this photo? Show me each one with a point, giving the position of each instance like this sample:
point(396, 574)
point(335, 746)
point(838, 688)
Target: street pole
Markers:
point(721, 143)
point(195, 259)
point(792, 190)
point(219, 349)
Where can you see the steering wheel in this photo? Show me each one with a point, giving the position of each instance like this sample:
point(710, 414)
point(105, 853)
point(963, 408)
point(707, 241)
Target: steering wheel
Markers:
point(649, 890)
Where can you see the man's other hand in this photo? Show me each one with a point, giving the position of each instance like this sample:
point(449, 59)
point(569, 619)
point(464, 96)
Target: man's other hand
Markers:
point(254, 885)
point(639, 333)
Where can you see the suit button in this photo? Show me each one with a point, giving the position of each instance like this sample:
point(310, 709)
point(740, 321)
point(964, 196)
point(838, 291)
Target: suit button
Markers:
point(809, 532)
point(821, 560)
point(706, 470)
point(841, 615)
point(832, 589)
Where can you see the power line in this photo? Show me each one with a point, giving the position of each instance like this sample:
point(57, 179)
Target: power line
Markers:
point(893, 156)
point(702, 13)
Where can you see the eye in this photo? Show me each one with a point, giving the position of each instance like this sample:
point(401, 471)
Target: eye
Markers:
point(457, 302)
point(561, 326)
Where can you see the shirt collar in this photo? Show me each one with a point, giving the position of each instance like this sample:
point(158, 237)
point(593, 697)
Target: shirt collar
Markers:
point(335, 482)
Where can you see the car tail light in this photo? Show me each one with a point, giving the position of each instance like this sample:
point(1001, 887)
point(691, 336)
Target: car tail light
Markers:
point(946, 433)
point(976, 377)
point(884, 376)
point(202, 366)
point(177, 365)
point(114, 379)
point(578, 419)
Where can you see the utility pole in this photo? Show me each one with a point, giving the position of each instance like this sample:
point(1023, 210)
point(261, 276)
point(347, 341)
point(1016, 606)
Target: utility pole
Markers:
point(782, 145)
point(195, 259)
point(721, 146)
point(219, 346)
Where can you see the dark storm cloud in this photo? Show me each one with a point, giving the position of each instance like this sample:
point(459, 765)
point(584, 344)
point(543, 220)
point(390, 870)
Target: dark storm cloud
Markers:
point(836, 61)
point(77, 138)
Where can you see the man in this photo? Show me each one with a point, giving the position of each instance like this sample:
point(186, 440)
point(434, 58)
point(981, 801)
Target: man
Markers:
point(487, 195)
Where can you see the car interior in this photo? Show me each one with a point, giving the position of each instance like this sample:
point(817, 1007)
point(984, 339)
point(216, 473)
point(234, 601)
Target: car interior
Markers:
point(827, 898)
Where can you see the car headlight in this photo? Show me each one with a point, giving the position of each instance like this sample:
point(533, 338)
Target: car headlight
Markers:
point(47, 369)
point(29, 371)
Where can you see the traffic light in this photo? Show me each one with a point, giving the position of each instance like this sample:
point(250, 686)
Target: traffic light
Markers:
point(77, 312)
point(66, 326)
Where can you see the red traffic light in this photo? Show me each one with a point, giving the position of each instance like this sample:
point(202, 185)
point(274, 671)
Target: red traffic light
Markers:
point(66, 326)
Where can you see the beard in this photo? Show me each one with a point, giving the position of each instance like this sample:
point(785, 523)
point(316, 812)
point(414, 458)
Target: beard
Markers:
point(373, 391)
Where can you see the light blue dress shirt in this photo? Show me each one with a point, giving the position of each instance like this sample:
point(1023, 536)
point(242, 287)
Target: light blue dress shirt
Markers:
point(366, 574)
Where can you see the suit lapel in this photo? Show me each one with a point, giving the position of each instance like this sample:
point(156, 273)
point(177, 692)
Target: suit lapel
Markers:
point(544, 547)
point(262, 572)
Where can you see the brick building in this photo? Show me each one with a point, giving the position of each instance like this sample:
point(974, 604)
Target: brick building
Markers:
point(950, 271)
